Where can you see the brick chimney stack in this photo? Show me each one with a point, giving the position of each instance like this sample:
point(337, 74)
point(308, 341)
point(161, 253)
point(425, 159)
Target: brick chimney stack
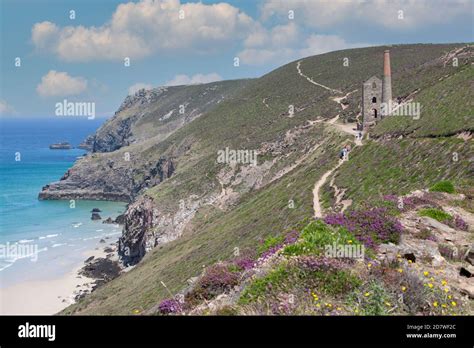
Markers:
point(387, 78)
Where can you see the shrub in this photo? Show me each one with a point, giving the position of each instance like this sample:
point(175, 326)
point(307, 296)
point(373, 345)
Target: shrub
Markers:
point(436, 214)
point(244, 263)
point(169, 306)
point(258, 287)
point(460, 224)
point(371, 227)
point(443, 186)
point(270, 244)
point(373, 299)
point(327, 274)
point(217, 279)
point(316, 236)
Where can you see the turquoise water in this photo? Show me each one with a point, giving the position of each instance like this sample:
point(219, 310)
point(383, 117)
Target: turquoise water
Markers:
point(41, 239)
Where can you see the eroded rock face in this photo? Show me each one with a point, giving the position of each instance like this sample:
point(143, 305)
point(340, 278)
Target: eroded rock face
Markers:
point(139, 221)
point(110, 179)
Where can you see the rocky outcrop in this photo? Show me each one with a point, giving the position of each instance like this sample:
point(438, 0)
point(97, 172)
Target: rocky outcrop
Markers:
point(137, 231)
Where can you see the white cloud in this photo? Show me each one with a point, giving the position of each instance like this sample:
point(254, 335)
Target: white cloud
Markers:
point(195, 79)
point(137, 30)
point(5, 108)
point(290, 45)
point(55, 84)
point(384, 13)
point(138, 86)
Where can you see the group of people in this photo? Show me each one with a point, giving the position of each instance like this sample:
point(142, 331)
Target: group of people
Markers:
point(343, 155)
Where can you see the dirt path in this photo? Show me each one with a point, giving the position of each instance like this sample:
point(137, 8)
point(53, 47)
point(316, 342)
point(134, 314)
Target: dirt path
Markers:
point(349, 128)
point(310, 80)
point(318, 213)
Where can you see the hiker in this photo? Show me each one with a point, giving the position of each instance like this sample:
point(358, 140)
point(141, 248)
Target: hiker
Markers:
point(342, 154)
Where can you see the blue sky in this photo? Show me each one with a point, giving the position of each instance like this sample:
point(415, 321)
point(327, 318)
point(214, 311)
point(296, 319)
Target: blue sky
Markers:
point(82, 59)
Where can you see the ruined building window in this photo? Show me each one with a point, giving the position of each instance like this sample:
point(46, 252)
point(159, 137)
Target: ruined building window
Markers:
point(374, 85)
point(374, 111)
point(374, 100)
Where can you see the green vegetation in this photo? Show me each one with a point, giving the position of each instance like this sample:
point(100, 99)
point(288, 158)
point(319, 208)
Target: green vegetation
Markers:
point(260, 286)
point(372, 299)
point(435, 214)
point(401, 166)
point(242, 121)
point(446, 108)
point(443, 186)
point(270, 242)
point(316, 236)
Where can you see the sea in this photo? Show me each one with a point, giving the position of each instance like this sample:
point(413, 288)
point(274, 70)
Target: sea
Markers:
point(45, 239)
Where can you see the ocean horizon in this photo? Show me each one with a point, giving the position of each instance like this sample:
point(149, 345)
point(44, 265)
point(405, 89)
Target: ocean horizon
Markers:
point(56, 233)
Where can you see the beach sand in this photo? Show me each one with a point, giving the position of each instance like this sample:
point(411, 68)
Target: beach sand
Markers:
point(46, 297)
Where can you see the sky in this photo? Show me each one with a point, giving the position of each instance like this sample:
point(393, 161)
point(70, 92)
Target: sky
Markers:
point(79, 51)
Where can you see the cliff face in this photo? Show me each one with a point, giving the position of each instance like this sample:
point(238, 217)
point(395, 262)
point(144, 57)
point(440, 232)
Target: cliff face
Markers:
point(124, 160)
point(180, 192)
point(138, 231)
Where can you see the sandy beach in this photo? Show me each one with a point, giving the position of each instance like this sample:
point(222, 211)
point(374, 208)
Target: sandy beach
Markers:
point(46, 297)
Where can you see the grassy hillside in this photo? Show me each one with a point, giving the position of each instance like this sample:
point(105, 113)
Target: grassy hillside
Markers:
point(446, 108)
point(401, 166)
point(255, 117)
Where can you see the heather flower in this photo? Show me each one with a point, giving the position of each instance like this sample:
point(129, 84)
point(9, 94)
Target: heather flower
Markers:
point(319, 263)
point(244, 263)
point(459, 223)
point(169, 306)
point(370, 227)
point(291, 237)
point(217, 279)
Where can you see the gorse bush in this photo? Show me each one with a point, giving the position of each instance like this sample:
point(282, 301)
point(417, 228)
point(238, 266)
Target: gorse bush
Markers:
point(443, 186)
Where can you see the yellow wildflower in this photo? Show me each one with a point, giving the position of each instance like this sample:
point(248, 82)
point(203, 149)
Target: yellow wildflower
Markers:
point(444, 282)
point(453, 303)
point(450, 297)
point(443, 305)
point(426, 273)
point(400, 270)
point(435, 303)
point(404, 288)
point(388, 304)
point(349, 241)
point(430, 285)
point(367, 294)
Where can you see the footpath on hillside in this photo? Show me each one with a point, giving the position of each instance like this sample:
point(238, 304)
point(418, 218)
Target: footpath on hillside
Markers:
point(346, 128)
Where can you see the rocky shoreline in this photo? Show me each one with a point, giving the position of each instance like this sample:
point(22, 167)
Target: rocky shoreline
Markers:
point(100, 270)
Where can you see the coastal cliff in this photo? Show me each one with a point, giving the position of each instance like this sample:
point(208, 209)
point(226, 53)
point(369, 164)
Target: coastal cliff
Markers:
point(188, 209)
